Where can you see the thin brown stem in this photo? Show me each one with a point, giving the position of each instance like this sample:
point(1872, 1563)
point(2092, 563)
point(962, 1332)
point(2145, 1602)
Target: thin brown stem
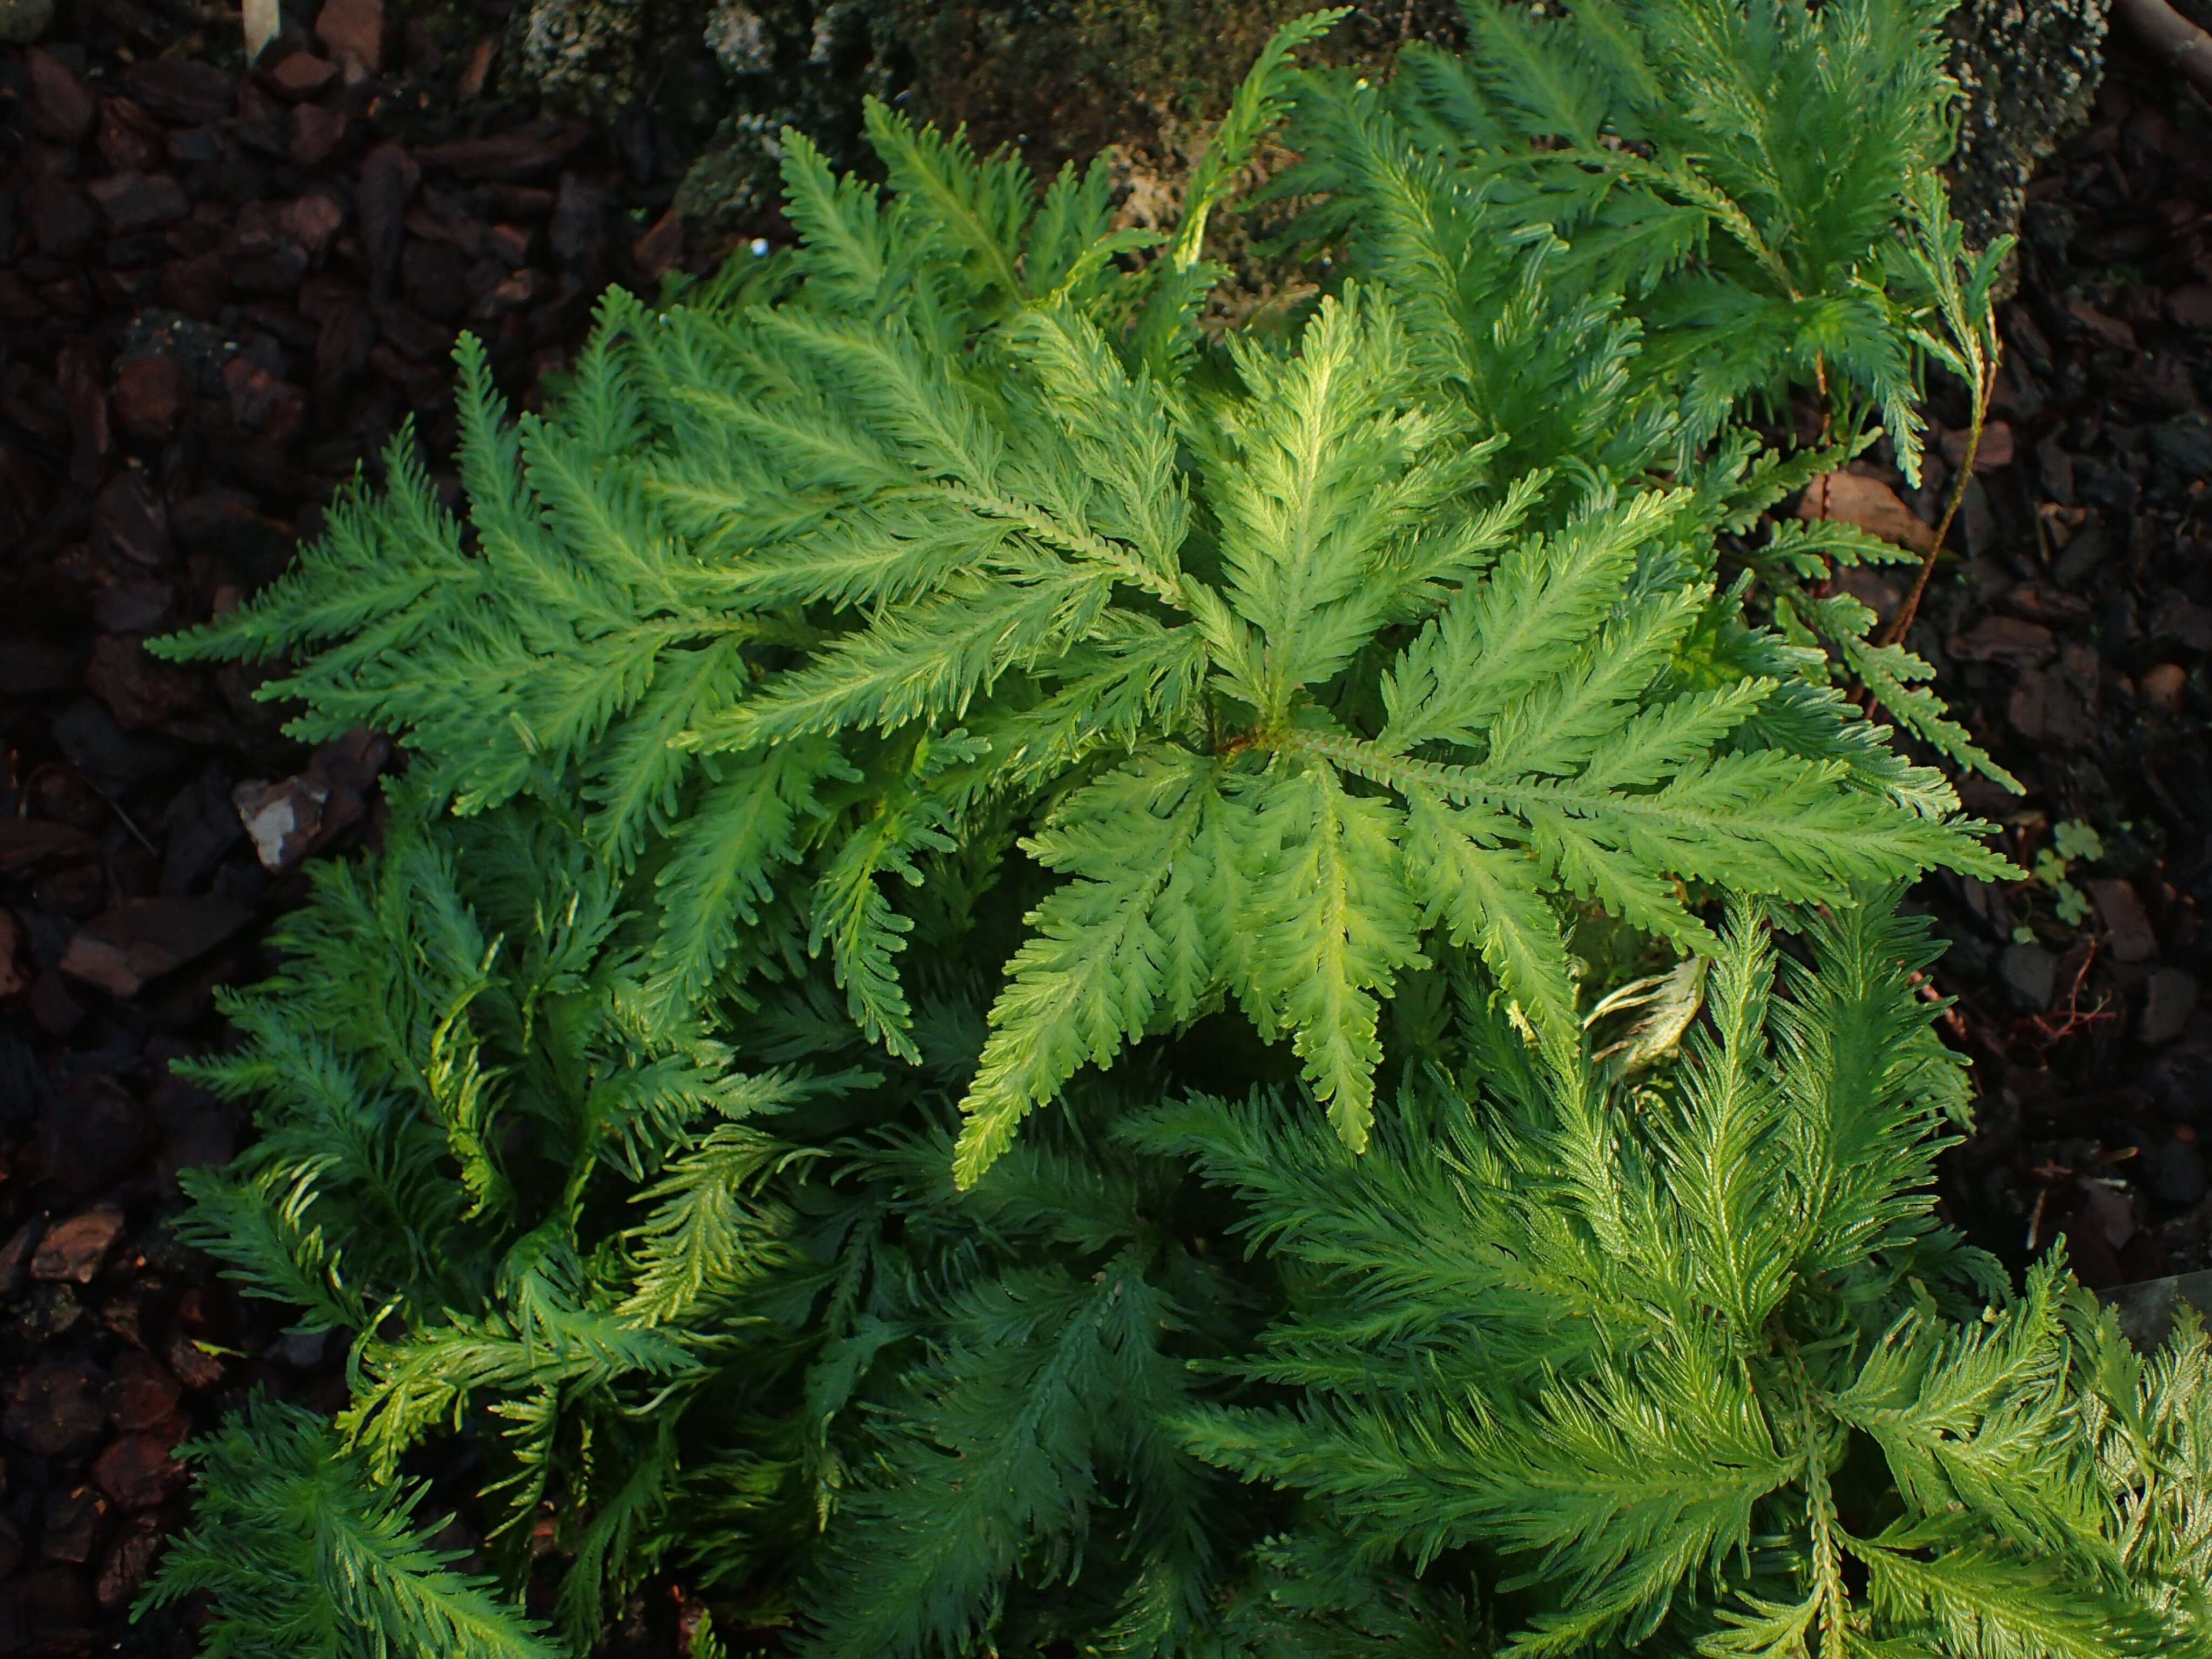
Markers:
point(1906, 612)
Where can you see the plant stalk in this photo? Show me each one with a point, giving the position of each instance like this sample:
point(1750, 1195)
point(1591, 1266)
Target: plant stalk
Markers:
point(1983, 388)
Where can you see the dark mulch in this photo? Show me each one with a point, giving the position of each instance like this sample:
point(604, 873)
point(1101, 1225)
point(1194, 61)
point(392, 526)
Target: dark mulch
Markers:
point(218, 293)
point(2072, 635)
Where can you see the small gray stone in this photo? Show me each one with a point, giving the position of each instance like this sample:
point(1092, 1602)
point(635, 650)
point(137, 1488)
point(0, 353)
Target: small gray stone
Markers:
point(2169, 999)
point(2133, 938)
point(2030, 973)
point(22, 21)
point(2186, 446)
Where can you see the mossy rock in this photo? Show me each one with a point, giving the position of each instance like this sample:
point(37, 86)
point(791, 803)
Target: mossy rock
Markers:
point(2030, 71)
point(1058, 79)
point(1062, 80)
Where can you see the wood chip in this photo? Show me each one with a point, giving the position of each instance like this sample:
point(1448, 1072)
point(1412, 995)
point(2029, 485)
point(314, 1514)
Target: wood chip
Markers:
point(1870, 504)
point(141, 939)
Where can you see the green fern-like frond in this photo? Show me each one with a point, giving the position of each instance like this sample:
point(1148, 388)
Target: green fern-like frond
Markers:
point(454, 1073)
point(1645, 1338)
point(1747, 195)
point(800, 591)
point(710, 1301)
point(1735, 175)
point(1004, 1462)
point(300, 1552)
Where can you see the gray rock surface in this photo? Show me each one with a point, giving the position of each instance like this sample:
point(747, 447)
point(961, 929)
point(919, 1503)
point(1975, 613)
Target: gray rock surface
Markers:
point(2169, 999)
point(587, 54)
point(792, 62)
point(2029, 69)
point(1056, 78)
point(2030, 973)
point(2147, 1310)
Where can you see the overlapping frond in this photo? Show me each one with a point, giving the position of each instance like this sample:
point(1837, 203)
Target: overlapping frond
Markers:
point(1398, 588)
point(1627, 1376)
point(300, 1552)
point(1043, 1379)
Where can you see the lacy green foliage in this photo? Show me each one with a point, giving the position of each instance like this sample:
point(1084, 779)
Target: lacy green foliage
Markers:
point(920, 677)
point(1693, 1368)
point(688, 1323)
point(948, 528)
point(449, 1073)
point(301, 1557)
point(1961, 335)
point(1721, 203)
point(1309, 1596)
point(1728, 179)
point(1607, 1336)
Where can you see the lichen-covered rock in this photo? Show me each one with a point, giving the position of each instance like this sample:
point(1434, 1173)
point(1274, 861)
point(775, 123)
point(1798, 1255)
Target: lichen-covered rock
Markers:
point(804, 63)
point(585, 54)
point(737, 36)
point(2029, 69)
point(733, 186)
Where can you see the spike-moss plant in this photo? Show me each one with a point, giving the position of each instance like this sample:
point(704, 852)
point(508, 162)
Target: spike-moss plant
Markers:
point(720, 1312)
point(1575, 1358)
point(947, 533)
point(1724, 185)
point(919, 675)
point(1682, 1363)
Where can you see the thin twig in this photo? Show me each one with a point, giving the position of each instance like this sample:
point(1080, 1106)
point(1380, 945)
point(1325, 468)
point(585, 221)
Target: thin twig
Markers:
point(2072, 1019)
point(2171, 36)
point(116, 807)
point(1925, 988)
point(1903, 619)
